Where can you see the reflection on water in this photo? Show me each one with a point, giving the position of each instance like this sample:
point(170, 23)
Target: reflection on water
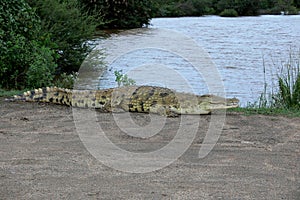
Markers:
point(237, 46)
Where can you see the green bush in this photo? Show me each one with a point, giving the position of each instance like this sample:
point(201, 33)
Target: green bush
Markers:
point(20, 39)
point(41, 40)
point(15, 57)
point(69, 27)
point(41, 70)
point(229, 13)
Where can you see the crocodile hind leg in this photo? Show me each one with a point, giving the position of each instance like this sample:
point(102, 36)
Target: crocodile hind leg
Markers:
point(163, 111)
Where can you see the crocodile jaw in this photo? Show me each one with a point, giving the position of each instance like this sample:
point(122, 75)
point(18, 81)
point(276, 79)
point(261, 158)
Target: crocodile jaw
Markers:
point(206, 106)
point(224, 104)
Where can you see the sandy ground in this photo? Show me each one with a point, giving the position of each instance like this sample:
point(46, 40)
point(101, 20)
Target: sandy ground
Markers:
point(42, 157)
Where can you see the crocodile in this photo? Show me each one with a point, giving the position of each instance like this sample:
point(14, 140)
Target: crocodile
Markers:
point(144, 99)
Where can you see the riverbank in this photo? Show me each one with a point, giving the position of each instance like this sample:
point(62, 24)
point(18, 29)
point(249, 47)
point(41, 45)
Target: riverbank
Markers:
point(42, 156)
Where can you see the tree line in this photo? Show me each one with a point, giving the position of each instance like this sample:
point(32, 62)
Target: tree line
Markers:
point(172, 8)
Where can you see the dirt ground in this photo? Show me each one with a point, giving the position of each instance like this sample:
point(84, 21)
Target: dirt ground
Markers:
point(42, 157)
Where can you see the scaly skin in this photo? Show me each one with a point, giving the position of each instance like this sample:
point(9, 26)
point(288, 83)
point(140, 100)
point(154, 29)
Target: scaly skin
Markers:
point(146, 99)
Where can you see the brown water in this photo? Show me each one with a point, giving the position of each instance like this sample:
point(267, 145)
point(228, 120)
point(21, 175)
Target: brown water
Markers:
point(238, 48)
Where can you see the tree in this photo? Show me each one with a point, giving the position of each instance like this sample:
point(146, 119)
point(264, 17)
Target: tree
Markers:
point(69, 27)
point(23, 53)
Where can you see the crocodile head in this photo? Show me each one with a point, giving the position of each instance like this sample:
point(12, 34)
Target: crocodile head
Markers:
point(218, 103)
point(205, 104)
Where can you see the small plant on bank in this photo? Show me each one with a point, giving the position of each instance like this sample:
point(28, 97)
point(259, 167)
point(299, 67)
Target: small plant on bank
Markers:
point(122, 79)
point(289, 83)
point(286, 94)
point(284, 97)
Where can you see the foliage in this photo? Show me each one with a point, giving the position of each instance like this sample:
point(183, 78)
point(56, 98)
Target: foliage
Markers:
point(121, 13)
point(229, 13)
point(122, 79)
point(278, 6)
point(286, 95)
point(22, 46)
point(169, 10)
point(289, 83)
point(173, 8)
point(41, 70)
point(242, 7)
point(287, 10)
point(65, 80)
point(204, 7)
point(286, 98)
point(266, 4)
point(184, 8)
point(284, 5)
point(40, 40)
point(69, 28)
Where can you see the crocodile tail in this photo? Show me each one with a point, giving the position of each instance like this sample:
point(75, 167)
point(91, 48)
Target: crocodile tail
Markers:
point(32, 95)
point(46, 94)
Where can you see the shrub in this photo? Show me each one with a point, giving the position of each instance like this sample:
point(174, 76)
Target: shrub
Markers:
point(21, 41)
point(15, 57)
point(41, 70)
point(229, 13)
point(69, 27)
point(38, 44)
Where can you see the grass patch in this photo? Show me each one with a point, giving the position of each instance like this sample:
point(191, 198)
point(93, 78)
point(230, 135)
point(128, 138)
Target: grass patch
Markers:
point(284, 98)
point(289, 83)
point(9, 93)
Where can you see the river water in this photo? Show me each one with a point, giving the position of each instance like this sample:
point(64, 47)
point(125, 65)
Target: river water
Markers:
point(241, 49)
